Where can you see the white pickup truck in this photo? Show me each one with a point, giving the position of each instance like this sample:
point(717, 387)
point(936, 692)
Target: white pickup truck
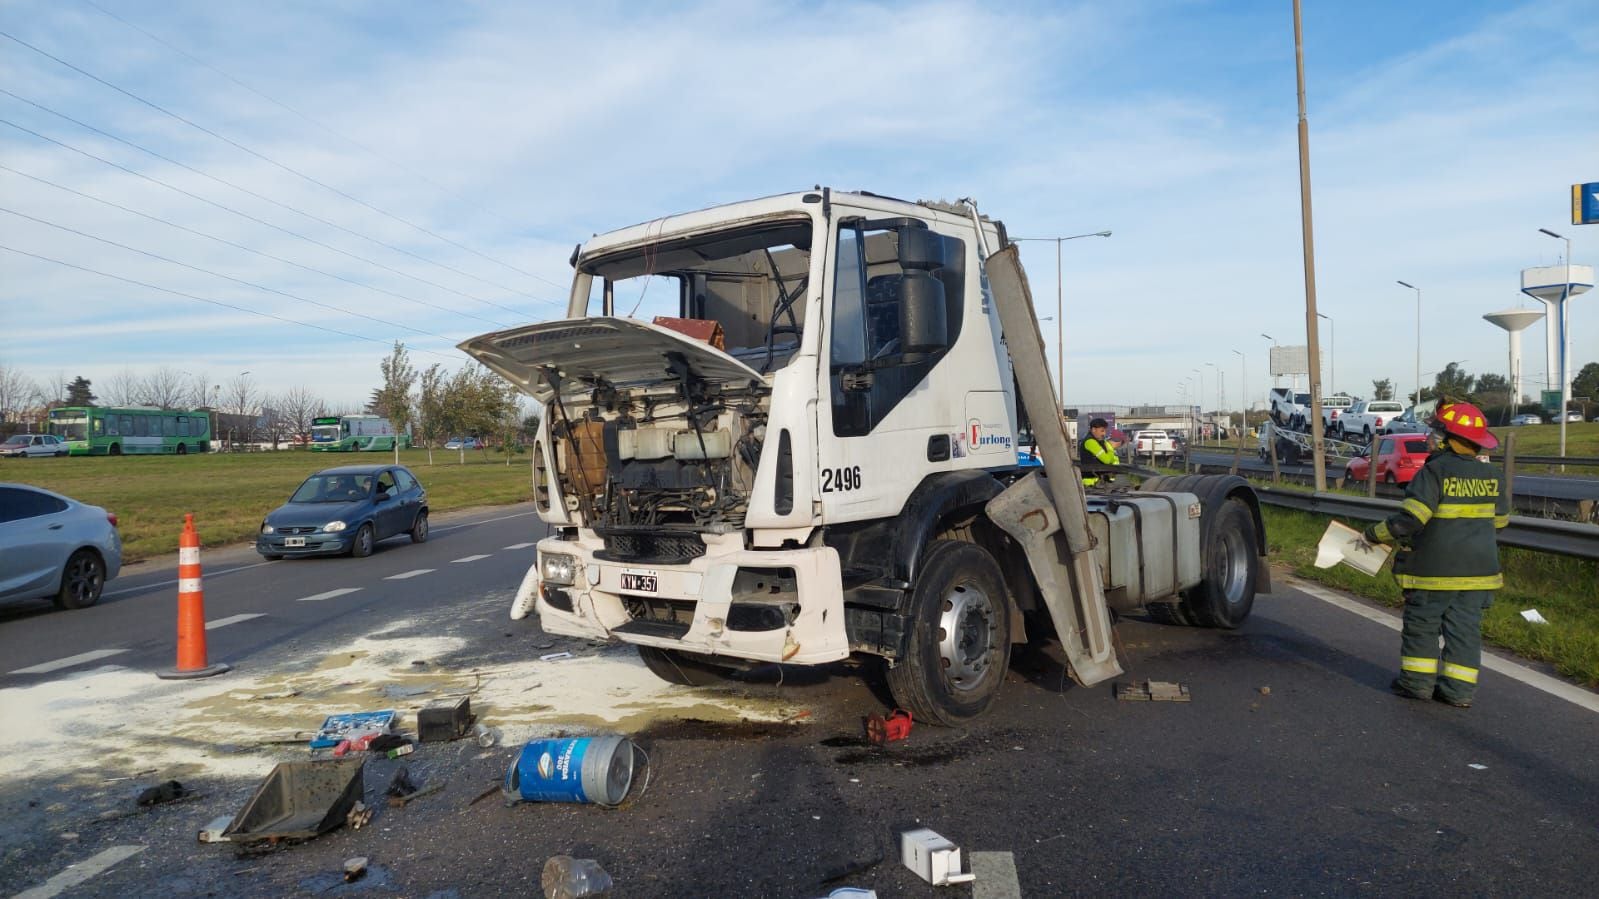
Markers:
point(1369, 418)
point(1290, 409)
point(1332, 409)
point(1153, 443)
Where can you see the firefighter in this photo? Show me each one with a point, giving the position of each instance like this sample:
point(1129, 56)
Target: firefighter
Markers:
point(1097, 447)
point(1448, 561)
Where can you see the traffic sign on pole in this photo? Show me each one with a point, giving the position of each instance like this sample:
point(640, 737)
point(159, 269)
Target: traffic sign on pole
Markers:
point(1585, 203)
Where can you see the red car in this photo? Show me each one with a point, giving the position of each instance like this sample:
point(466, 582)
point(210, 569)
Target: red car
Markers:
point(1399, 457)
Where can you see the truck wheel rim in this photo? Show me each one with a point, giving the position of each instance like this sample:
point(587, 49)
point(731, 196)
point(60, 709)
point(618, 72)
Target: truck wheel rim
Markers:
point(965, 636)
point(1235, 562)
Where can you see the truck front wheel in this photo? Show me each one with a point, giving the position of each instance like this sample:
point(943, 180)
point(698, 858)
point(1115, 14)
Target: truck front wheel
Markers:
point(959, 643)
point(676, 668)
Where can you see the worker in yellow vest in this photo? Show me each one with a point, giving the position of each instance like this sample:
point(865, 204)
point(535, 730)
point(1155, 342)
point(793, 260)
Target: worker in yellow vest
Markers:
point(1096, 447)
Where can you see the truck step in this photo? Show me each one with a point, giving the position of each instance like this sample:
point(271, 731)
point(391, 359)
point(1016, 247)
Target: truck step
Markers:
point(640, 627)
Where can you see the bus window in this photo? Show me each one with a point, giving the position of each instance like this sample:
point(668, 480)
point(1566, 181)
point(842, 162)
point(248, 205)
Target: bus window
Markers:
point(141, 426)
point(169, 426)
point(183, 426)
point(99, 427)
point(127, 425)
point(110, 425)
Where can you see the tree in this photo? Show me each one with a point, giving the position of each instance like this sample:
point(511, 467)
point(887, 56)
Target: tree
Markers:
point(1382, 390)
point(164, 388)
point(241, 395)
point(510, 419)
point(199, 392)
point(393, 400)
point(1492, 388)
point(297, 406)
point(1586, 383)
point(124, 389)
point(432, 413)
point(1453, 382)
point(17, 392)
point(79, 392)
point(476, 402)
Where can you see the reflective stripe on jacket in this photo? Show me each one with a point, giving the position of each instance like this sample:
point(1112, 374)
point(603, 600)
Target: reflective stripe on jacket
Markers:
point(1446, 525)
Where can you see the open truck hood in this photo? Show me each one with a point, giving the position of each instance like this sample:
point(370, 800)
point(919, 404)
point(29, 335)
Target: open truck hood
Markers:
point(624, 351)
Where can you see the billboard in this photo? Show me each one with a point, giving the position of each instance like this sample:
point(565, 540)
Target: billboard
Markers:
point(1290, 360)
point(1585, 203)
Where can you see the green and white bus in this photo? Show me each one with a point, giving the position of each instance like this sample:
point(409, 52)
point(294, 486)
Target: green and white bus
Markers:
point(102, 431)
point(355, 434)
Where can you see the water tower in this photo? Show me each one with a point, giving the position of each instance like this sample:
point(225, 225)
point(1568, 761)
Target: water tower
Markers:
point(1515, 321)
point(1554, 286)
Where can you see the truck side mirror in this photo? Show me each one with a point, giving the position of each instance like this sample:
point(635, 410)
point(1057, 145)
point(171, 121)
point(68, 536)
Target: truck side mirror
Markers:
point(923, 325)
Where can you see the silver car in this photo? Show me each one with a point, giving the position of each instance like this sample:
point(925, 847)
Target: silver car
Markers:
point(54, 546)
point(33, 445)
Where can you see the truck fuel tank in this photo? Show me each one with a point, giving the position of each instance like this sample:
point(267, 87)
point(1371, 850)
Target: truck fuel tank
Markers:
point(1146, 545)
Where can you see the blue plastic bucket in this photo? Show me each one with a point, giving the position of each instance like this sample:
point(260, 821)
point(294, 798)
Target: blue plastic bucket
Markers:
point(576, 769)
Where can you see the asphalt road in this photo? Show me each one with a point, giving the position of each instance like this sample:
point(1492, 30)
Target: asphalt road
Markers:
point(1291, 771)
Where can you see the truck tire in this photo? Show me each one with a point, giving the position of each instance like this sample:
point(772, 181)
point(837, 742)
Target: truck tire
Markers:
point(677, 668)
point(959, 646)
point(1227, 593)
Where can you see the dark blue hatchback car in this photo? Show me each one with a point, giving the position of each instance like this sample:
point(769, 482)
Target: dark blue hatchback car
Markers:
point(346, 510)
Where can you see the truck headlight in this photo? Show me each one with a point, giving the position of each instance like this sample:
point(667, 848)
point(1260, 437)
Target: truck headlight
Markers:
point(333, 527)
point(557, 568)
point(267, 528)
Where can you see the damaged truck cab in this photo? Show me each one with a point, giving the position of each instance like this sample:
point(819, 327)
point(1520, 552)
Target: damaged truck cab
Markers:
point(799, 464)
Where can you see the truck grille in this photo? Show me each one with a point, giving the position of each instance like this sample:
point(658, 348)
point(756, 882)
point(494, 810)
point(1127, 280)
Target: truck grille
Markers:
point(646, 546)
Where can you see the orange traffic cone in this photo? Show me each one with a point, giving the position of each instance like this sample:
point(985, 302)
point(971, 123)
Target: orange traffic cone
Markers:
point(191, 611)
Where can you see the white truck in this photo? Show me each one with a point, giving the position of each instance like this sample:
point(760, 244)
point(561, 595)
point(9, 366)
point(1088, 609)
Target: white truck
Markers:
point(1153, 444)
point(1371, 417)
point(822, 461)
point(1332, 409)
point(1289, 408)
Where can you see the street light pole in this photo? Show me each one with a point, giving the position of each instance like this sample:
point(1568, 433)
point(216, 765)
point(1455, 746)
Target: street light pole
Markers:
point(1060, 310)
point(1268, 372)
point(1318, 448)
point(1243, 391)
point(1560, 341)
point(1418, 339)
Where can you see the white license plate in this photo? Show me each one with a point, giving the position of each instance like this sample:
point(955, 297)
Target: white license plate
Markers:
point(640, 581)
point(293, 541)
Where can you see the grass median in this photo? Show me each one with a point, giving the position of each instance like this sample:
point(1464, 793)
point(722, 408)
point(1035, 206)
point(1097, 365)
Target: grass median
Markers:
point(1564, 590)
point(229, 493)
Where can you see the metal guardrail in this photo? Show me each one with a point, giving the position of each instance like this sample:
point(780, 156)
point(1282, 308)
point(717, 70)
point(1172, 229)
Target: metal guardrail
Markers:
point(1566, 538)
point(1578, 461)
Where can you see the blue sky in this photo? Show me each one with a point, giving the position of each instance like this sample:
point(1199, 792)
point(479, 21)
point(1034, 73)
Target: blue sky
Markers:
point(1443, 135)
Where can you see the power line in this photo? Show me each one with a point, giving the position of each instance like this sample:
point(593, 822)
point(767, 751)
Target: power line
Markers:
point(269, 160)
point(261, 253)
point(245, 190)
point(263, 222)
point(325, 127)
point(204, 271)
point(191, 296)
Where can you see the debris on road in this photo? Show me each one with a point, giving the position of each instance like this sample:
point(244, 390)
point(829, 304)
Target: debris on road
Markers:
point(1533, 616)
point(595, 769)
point(214, 831)
point(168, 791)
point(441, 722)
point(351, 726)
point(386, 742)
point(1477, 767)
point(565, 877)
point(403, 749)
point(1264, 691)
point(852, 893)
point(281, 694)
point(354, 868)
point(880, 730)
point(933, 858)
point(555, 656)
point(360, 815)
point(300, 800)
point(1155, 691)
point(400, 691)
point(486, 736)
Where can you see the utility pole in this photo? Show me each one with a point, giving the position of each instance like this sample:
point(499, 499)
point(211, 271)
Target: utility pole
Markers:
point(1319, 451)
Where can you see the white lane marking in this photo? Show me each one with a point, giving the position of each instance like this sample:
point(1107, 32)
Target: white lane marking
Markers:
point(159, 584)
point(342, 591)
point(1535, 679)
point(467, 524)
point(469, 558)
point(996, 876)
point(79, 872)
point(408, 574)
point(232, 619)
point(521, 545)
point(79, 659)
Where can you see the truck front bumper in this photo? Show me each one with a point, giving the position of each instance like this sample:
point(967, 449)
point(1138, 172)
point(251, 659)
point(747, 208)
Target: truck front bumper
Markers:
point(761, 605)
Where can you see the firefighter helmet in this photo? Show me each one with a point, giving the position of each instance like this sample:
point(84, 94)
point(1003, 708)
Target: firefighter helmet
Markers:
point(1466, 422)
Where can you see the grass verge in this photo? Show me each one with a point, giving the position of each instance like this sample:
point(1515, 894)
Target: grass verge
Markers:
point(229, 493)
point(1564, 590)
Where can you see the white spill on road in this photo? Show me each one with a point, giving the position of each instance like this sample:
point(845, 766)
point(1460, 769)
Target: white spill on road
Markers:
point(112, 720)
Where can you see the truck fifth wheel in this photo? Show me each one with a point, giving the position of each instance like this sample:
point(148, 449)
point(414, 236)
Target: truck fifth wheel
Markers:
point(816, 456)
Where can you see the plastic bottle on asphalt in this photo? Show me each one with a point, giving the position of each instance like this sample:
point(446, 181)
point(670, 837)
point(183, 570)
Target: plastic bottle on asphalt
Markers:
point(566, 877)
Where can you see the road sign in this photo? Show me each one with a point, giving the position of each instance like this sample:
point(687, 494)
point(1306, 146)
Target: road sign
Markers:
point(1551, 401)
point(1585, 203)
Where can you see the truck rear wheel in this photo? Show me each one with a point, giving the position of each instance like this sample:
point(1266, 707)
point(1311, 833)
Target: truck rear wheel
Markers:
point(1226, 595)
point(959, 644)
point(677, 668)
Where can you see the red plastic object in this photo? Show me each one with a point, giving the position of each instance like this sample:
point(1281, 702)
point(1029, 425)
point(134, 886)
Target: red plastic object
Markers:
point(880, 730)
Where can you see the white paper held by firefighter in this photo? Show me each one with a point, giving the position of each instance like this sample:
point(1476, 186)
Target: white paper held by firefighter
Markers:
point(1342, 543)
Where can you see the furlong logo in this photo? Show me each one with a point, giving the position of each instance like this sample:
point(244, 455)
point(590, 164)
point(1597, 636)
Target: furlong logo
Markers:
point(986, 438)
